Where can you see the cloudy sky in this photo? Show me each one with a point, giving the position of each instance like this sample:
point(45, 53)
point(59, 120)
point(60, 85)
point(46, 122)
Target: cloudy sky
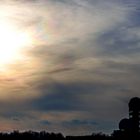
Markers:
point(77, 68)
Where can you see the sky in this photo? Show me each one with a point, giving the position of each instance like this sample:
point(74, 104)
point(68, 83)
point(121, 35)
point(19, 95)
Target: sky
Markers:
point(78, 69)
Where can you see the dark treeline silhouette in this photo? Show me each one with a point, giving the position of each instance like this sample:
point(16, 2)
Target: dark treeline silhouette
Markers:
point(32, 135)
point(129, 129)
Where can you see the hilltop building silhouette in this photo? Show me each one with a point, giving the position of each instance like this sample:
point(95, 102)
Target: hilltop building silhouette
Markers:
point(130, 127)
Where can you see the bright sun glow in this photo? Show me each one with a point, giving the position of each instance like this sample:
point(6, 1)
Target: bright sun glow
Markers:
point(12, 42)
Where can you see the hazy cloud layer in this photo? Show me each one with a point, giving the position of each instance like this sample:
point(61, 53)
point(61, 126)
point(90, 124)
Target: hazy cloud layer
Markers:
point(81, 69)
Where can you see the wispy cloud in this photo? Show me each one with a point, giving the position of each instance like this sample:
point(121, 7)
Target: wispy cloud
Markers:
point(82, 66)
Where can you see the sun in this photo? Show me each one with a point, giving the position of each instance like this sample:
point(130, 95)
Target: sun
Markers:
point(12, 42)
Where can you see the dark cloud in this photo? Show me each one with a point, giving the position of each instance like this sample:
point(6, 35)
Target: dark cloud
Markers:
point(116, 42)
point(81, 122)
point(61, 97)
point(45, 122)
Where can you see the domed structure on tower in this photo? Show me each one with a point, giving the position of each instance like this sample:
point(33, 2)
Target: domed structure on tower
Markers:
point(125, 125)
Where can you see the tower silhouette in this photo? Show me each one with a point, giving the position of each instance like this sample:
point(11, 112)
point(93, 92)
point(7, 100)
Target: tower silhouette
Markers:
point(134, 113)
point(129, 128)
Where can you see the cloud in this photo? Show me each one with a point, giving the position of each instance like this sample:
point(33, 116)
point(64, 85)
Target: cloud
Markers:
point(83, 122)
point(81, 69)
